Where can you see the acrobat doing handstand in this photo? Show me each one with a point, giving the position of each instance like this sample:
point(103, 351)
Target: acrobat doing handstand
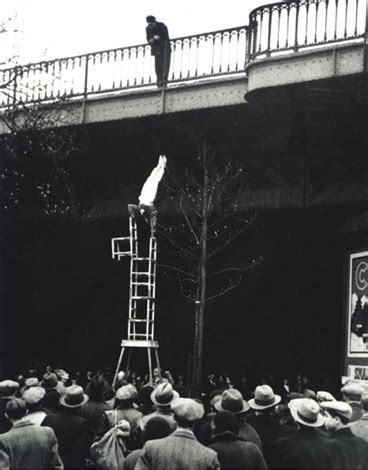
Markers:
point(148, 194)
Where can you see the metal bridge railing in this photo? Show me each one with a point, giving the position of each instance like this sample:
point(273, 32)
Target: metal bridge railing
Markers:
point(288, 26)
point(300, 24)
point(193, 58)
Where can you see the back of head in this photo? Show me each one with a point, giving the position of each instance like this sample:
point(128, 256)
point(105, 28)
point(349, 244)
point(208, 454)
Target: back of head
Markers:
point(364, 401)
point(150, 19)
point(144, 395)
point(95, 388)
point(156, 428)
point(16, 408)
point(51, 400)
point(226, 421)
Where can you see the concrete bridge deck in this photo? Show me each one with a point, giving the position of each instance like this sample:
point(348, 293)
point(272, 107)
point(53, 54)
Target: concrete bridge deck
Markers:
point(283, 44)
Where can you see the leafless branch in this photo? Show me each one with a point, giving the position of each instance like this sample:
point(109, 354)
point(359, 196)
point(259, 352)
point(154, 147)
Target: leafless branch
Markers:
point(225, 291)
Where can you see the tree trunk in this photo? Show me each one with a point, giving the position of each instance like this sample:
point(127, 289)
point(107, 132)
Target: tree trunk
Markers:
point(201, 288)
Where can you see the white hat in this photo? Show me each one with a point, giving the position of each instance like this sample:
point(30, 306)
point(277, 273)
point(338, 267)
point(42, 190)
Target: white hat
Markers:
point(164, 395)
point(126, 392)
point(325, 396)
point(264, 398)
point(340, 408)
point(188, 409)
point(352, 389)
point(34, 395)
point(307, 412)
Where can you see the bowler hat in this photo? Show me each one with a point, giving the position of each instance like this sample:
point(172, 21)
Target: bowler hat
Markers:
point(187, 409)
point(307, 412)
point(164, 395)
point(232, 400)
point(49, 381)
point(8, 388)
point(339, 408)
point(73, 397)
point(126, 392)
point(264, 398)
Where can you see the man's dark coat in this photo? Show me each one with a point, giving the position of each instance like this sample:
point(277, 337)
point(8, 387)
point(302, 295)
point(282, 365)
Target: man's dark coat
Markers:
point(235, 452)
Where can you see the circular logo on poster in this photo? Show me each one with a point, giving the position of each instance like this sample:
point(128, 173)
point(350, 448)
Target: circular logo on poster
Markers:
point(361, 276)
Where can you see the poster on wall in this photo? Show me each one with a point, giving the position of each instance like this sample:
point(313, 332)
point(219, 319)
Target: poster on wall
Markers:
point(358, 305)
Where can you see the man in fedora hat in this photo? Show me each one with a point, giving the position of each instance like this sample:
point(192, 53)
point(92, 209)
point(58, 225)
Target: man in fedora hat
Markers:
point(27, 445)
point(263, 421)
point(162, 397)
point(232, 400)
point(94, 408)
point(352, 450)
point(352, 393)
point(72, 431)
point(181, 448)
point(309, 447)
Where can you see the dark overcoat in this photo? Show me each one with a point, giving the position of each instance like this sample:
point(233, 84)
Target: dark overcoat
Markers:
point(235, 452)
point(307, 448)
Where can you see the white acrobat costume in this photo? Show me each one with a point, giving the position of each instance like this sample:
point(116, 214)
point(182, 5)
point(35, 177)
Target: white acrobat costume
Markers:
point(148, 194)
point(149, 189)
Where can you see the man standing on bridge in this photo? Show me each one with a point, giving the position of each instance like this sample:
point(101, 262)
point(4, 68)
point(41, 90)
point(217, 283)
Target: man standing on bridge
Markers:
point(158, 38)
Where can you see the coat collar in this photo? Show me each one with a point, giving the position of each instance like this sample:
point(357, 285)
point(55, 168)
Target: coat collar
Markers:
point(343, 432)
point(22, 423)
point(181, 432)
point(226, 436)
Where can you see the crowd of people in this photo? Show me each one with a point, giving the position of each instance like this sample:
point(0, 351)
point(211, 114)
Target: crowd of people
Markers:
point(50, 420)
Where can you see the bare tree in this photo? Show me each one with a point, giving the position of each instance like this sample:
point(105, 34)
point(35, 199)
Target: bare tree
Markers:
point(204, 199)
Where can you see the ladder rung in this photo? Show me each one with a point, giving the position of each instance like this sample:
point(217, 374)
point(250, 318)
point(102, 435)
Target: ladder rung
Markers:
point(142, 297)
point(144, 273)
point(135, 283)
point(140, 320)
point(143, 259)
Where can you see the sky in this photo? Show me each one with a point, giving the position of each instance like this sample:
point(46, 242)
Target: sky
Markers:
point(48, 29)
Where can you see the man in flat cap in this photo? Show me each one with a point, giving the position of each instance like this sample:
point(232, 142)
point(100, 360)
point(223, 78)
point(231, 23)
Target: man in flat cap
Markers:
point(158, 37)
point(27, 445)
point(352, 451)
point(352, 393)
point(181, 449)
point(8, 390)
point(360, 427)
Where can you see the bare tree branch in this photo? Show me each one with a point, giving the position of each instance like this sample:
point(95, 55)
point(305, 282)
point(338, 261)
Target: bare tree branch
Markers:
point(225, 291)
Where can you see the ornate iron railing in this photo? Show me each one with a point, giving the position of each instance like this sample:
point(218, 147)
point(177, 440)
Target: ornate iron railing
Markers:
point(288, 26)
point(300, 24)
point(193, 58)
